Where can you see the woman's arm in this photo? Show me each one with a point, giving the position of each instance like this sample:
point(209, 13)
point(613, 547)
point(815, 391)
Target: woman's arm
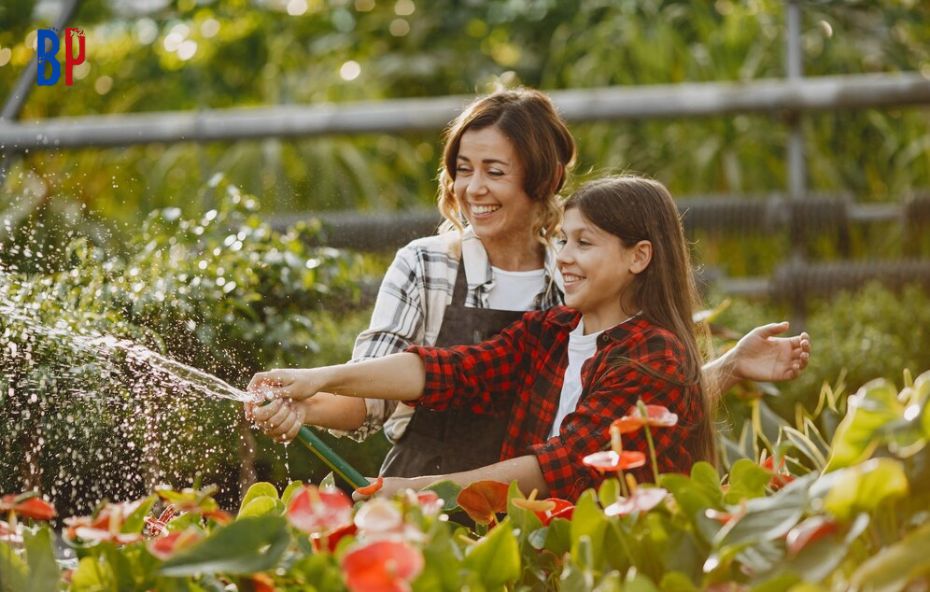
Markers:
point(524, 470)
point(759, 355)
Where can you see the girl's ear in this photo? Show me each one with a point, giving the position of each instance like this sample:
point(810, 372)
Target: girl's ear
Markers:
point(642, 256)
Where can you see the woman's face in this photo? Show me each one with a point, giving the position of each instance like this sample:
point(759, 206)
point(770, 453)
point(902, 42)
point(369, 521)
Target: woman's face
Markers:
point(489, 187)
point(597, 270)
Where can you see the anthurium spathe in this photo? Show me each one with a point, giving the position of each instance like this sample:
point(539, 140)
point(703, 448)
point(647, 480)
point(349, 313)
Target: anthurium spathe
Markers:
point(28, 505)
point(371, 488)
point(382, 566)
point(483, 500)
point(546, 509)
point(656, 416)
point(107, 525)
point(609, 460)
point(809, 531)
point(315, 510)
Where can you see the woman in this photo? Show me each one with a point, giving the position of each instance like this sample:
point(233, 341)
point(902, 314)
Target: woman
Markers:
point(563, 375)
point(506, 158)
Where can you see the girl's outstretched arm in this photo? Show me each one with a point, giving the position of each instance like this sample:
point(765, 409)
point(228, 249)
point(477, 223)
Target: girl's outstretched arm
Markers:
point(399, 377)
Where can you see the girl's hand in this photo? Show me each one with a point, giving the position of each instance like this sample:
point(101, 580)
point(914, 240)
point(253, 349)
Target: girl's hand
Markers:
point(762, 355)
point(279, 419)
point(295, 384)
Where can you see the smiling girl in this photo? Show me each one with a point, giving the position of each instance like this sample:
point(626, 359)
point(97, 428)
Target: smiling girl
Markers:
point(563, 375)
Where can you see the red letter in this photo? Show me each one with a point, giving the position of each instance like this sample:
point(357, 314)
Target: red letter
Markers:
point(72, 60)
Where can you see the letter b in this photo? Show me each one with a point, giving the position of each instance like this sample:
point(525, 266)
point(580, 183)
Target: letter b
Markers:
point(46, 48)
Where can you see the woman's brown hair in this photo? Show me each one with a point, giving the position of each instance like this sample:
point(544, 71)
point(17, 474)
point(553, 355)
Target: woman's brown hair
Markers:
point(540, 138)
point(636, 209)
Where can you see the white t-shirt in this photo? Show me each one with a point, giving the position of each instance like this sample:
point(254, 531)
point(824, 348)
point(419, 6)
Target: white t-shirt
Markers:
point(516, 290)
point(581, 348)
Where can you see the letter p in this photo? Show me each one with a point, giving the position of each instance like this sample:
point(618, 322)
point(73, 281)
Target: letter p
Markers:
point(72, 60)
point(46, 47)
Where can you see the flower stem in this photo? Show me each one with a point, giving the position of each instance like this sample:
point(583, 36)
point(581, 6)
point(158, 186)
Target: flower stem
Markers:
point(652, 454)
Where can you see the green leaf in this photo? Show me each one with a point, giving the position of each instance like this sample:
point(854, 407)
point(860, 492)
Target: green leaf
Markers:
point(13, 571)
point(767, 518)
point(245, 546)
point(675, 581)
point(865, 487)
point(92, 575)
point(637, 582)
point(292, 488)
point(588, 521)
point(805, 446)
point(496, 557)
point(706, 478)
point(608, 492)
point(135, 521)
point(870, 409)
point(442, 563)
point(448, 492)
point(747, 480)
point(893, 567)
point(261, 506)
point(258, 490)
point(559, 537)
point(328, 481)
point(43, 570)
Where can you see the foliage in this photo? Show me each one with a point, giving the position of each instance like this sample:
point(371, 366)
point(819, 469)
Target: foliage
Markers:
point(854, 523)
point(86, 394)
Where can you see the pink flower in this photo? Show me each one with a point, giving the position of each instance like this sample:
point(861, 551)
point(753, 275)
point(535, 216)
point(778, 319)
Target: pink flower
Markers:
point(547, 509)
point(28, 505)
point(166, 546)
point(656, 416)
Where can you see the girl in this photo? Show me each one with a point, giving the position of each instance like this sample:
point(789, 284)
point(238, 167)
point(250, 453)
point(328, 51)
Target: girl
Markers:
point(506, 157)
point(563, 375)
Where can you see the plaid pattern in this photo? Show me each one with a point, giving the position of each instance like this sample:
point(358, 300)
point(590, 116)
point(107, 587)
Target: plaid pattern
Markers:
point(528, 360)
point(411, 303)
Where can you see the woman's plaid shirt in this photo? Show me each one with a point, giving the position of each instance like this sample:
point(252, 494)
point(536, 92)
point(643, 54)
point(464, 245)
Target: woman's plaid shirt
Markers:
point(634, 360)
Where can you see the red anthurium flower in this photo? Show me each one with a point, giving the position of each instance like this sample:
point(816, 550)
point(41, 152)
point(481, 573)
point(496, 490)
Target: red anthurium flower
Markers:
point(429, 501)
point(333, 537)
point(371, 488)
point(657, 416)
point(780, 476)
point(387, 566)
point(642, 500)
point(608, 460)
point(106, 526)
point(379, 516)
point(29, 505)
point(483, 500)
point(166, 546)
point(805, 533)
point(314, 510)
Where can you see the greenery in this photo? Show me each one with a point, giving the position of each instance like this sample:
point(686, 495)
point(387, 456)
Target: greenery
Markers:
point(849, 516)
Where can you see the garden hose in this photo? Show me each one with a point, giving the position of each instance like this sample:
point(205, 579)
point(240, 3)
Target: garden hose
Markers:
point(330, 458)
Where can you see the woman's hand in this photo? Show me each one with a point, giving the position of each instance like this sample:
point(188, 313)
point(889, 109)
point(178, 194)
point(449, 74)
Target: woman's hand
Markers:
point(279, 419)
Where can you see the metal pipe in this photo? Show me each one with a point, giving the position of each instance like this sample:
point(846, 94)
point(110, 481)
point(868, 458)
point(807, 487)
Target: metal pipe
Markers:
point(408, 115)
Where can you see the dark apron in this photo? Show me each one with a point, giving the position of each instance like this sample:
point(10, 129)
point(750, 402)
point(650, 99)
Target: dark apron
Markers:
point(438, 442)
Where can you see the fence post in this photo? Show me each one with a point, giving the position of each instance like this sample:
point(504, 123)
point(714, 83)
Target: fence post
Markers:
point(797, 172)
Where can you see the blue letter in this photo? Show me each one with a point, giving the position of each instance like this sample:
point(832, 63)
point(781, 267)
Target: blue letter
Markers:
point(46, 48)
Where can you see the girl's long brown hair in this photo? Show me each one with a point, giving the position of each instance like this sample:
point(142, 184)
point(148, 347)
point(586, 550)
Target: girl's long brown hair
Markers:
point(636, 209)
point(541, 140)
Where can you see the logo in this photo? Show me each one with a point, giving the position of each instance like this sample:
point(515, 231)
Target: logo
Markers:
point(47, 46)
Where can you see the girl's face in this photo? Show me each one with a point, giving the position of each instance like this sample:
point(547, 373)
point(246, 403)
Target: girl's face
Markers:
point(489, 187)
point(597, 269)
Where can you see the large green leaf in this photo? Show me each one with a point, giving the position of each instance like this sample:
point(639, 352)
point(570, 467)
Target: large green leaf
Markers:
point(14, 572)
point(588, 521)
point(93, 575)
point(496, 557)
point(448, 491)
point(865, 487)
point(40, 554)
point(245, 546)
point(870, 409)
point(893, 567)
point(258, 490)
point(136, 520)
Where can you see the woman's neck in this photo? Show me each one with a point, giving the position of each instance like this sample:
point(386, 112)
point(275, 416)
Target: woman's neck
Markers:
point(516, 255)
